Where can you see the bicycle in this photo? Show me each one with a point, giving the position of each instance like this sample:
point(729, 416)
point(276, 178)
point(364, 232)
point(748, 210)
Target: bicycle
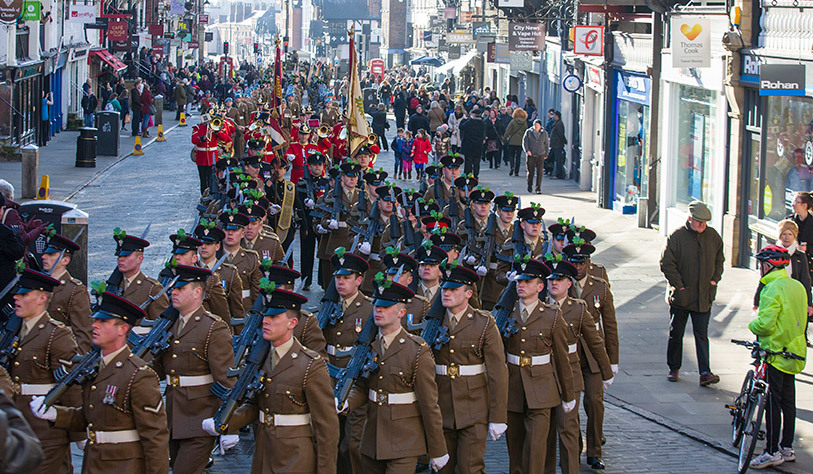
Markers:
point(749, 406)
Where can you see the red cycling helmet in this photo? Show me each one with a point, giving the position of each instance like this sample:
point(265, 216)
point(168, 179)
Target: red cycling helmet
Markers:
point(775, 255)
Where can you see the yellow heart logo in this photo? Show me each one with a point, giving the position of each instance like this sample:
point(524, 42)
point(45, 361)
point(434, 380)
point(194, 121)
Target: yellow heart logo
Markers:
point(692, 32)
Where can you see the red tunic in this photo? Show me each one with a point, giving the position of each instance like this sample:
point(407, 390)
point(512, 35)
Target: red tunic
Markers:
point(205, 150)
point(300, 153)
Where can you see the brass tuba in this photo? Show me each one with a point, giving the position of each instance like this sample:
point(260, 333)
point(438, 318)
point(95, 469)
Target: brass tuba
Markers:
point(323, 132)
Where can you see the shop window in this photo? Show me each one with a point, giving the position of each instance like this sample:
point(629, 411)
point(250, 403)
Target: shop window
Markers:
point(696, 132)
point(788, 153)
point(632, 140)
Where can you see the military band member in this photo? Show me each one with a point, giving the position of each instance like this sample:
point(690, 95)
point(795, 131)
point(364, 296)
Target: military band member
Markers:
point(71, 301)
point(136, 287)
point(471, 375)
point(267, 245)
point(307, 329)
point(227, 274)
point(539, 372)
point(596, 293)
point(122, 408)
point(298, 152)
point(298, 429)
point(233, 113)
point(185, 252)
point(246, 261)
point(400, 397)
point(44, 346)
point(205, 140)
point(449, 173)
point(356, 308)
point(337, 231)
point(307, 231)
point(199, 355)
point(584, 343)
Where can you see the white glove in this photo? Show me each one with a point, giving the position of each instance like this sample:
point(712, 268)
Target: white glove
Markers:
point(342, 224)
point(512, 275)
point(365, 248)
point(614, 368)
point(309, 203)
point(228, 441)
point(608, 382)
point(481, 270)
point(495, 430)
point(333, 224)
point(340, 407)
point(208, 425)
point(321, 229)
point(82, 444)
point(40, 411)
point(569, 406)
point(470, 260)
point(274, 209)
point(437, 463)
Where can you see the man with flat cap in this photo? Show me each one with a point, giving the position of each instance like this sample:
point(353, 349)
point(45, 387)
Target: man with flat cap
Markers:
point(185, 252)
point(71, 301)
point(539, 372)
point(136, 287)
point(198, 356)
point(356, 309)
point(336, 232)
point(307, 329)
point(122, 409)
point(585, 348)
point(471, 374)
point(692, 262)
point(227, 274)
point(44, 345)
point(442, 191)
point(247, 262)
point(400, 397)
point(298, 429)
point(266, 244)
point(596, 293)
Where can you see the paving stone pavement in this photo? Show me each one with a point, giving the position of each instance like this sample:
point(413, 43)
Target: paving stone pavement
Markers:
point(161, 188)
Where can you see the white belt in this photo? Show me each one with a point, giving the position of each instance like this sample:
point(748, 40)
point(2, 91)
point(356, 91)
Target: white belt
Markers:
point(392, 398)
point(197, 148)
point(375, 257)
point(113, 437)
point(492, 266)
point(36, 388)
point(141, 330)
point(246, 293)
point(342, 224)
point(189, 380)
point(461, 370)
point(524, 361)
point(571, 348)
point(339, 351)
point(285, 420)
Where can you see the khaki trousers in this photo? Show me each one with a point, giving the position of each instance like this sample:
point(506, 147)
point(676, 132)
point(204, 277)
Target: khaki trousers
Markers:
point(467, 450)
point(190, 455)
point(389, 466)
point(526, 436)
point(594, 408)
point(566, 425)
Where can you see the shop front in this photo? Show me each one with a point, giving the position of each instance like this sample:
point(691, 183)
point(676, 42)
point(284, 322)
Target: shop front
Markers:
point(20, 95)
point(630, 139)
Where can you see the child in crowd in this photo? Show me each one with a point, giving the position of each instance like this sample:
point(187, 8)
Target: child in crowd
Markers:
point(420, 152)
point(398, 152)
point(406, 155)
point(441, 144)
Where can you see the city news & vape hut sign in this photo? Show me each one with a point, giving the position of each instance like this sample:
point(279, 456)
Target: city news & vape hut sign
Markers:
point(526, 37)
point(691, 42)
point(782, 79)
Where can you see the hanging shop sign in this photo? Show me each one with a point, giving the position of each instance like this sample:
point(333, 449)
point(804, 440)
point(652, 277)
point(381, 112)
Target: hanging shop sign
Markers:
point(782, 79)
point(526, 36)
point(588, 40)
point(10, 10)
point(691, 42)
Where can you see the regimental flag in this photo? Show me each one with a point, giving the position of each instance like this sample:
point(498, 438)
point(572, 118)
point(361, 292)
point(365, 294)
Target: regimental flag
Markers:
point(276, 106)
point(358, 130)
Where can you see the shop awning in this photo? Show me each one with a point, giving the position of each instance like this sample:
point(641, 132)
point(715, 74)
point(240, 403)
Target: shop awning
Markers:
point(426, 60)
point(457, 65)
point(108, 59)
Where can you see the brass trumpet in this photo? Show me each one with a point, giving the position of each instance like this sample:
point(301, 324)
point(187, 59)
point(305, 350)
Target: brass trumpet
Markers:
point(323, 132)
point(372, 139)
point(216, 124)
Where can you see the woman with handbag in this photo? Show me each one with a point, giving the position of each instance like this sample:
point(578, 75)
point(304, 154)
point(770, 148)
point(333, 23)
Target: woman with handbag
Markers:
point(147, 110)
point(493, 141)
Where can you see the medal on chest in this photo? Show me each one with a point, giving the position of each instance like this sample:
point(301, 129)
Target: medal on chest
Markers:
point(110, 395)
point(359, 324)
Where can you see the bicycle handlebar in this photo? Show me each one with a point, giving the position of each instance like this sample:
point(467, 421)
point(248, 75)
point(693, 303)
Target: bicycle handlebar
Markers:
point(755, 345)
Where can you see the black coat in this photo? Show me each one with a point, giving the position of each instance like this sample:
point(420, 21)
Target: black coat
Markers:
point(379, 121)
point(418, 121)
point(805, 234)
point(472, 134)
point(557, 135)
point(399, 106)
point(11, 250)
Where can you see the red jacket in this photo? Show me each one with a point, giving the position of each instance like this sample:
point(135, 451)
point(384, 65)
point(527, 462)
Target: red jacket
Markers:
point(300, 153)
point(146, 101)
point(420, 151)
point(206, 150)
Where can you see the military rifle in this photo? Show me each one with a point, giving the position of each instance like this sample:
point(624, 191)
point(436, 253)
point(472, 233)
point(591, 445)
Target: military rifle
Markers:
point(249, 382)
point(471, 232)
point(85, 368)
point(434, 332)
point(330, 310)
point(488, 248)
point(251, 332)
point(454, 209)
point(438, 194)
point(505, 305)
point(157, 340)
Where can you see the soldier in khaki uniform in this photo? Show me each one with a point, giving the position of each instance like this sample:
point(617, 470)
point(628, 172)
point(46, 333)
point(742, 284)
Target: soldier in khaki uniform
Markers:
point(307, 329)
point(356, 309)
point(185, 252)
point(539, 372)
point(595, 269)
point(199, 355)
point(596, 293)
point(267, 245)
point(237, 138)
point(449, 173)
point(387, 199)
point(122, 408)
point(429, 258)
point(136, 287)
point(530, 220)
point(394, 262)
point(227, 274)
point(336, 232)
point(471, 375)
point(583, 343)
point(400, 396)
point(71, 301)
point(298, 429)
point(451, 244)
point(44, 346)
point(558, 237)
point(246, 261)
point(505, 209)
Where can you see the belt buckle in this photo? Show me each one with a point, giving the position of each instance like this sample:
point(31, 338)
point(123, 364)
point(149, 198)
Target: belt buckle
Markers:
point(381, 398)
point(453, 371)
point(524, 361)
point(269, 419)
point(175, 381)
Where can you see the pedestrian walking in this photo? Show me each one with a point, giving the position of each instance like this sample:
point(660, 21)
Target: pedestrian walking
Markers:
point(421, 147)
point(513, 137)
point(454, 127)
point(89, 104)
point(473, 136)
point(692, 262)
point(436, 116)
point(493, 140)
point(535, 144)
point(557, 146)
point(418, 121)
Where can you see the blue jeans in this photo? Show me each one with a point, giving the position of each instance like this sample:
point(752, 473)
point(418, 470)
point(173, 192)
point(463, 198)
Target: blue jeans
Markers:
point(88, 120)
point(557, 154)
point(145, 123)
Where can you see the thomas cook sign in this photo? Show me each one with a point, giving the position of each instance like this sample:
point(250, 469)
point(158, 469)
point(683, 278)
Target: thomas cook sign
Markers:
point(10, 10)
point(782, 79)
point(691, 42)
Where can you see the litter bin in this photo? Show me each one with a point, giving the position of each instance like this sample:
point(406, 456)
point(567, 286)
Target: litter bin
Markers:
point(86, 148)
point(370, 98)
point(158, 102)
point(107, 124)
point(68, 221)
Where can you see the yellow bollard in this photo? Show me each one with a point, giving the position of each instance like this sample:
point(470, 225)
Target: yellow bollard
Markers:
point(45, 189)
point(137, 149)
point(160, 137)
point(182, 123)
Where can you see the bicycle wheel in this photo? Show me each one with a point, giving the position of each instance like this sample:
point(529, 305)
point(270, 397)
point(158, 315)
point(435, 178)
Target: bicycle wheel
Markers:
point(738, 410)
point(751, 426)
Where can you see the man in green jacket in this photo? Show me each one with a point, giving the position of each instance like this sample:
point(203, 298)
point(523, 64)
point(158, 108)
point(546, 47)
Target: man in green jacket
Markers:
point(780, 326)
point(692, 263)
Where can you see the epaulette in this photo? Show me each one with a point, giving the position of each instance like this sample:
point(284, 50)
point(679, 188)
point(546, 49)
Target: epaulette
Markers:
point(56, 323)
point(76, 281)
point(252, 252)
point(310, 353)
point(547, 305)
point(418, 340)
point(421, 298)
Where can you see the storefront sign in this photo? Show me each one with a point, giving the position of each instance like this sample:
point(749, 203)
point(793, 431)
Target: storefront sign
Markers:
point(193, 44)
point(526, 37)
point(31, 10)
point(510, 3)
point(588, 40)
point(10, 10)
point(203, 19)
point(498, 53)
point(156, 30)
point(782, 79)
point(595, 78)
point(459, 38)
point(691, 42)
point(632, 88)
point(520, 61)
point(749, 71)
point(82, 14)
point(117, 30)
